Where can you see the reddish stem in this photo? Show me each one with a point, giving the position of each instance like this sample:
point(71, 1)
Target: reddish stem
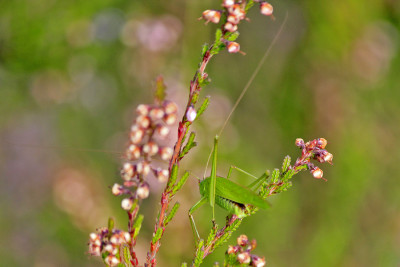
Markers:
point(183, 129)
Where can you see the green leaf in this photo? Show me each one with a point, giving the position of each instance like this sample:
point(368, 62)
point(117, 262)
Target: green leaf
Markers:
point(184, 264)
point(203, 106)
point(137, 225)
point(275, 176)
point(160, 90)
point(171, 214)
point(189, 145)
point(181, 182)
point(286, 164)
point(125, 255)
point(204, 49)
point(231, 36)
point(172, 177)
point(110, 226)
point(157, 236)
point(218, 35)
point(199, 253)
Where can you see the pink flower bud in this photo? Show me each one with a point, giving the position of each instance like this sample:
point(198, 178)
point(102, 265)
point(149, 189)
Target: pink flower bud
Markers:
point(321, 143)
point(117, 189)
point(266, 9)
point(133, 152)
point(230, 27)
point(328, 158)
point(151, 148)
point(244, 257)
point(156, 113)
point(128, 171)
point(143, 122)
point(166, 153)
point(242, 240)
point(162, 175)
point(143, 109)
point(111, 260)
point(143, 167)
point(143, 190)
point(126, 203)
point(228, 3)
point(162, 130)
point(136, 135)
point(233, 47)
point(94, 250)
point(237, 11)
point(317, 173)
point(257, 261)
point(191, 114)
point(170, 119)
point(212, 15)
point(170, 107)
point(299, 142)
point(233, 19)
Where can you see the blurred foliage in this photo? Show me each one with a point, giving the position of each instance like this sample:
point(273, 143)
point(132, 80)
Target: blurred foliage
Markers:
point(72, 72)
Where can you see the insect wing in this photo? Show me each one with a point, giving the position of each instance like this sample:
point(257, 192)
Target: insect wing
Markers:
point(230, 190)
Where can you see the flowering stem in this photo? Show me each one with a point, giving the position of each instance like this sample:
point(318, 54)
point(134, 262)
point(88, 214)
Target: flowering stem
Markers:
point(183, 129)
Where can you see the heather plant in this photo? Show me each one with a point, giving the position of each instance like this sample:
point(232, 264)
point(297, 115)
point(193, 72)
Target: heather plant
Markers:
point(146, 148)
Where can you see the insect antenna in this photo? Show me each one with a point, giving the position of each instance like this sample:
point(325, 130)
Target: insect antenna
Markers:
point(249, 82)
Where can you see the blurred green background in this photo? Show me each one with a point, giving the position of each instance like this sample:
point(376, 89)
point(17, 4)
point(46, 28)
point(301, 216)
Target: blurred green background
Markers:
point(72, 72)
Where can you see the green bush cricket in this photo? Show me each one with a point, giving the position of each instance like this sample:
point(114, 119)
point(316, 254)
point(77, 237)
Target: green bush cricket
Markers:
point(230, 196)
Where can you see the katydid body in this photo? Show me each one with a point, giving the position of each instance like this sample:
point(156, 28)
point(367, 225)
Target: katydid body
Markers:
point(228, 195)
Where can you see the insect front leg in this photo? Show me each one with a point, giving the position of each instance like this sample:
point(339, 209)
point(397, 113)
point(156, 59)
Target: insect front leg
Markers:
point(200, 203)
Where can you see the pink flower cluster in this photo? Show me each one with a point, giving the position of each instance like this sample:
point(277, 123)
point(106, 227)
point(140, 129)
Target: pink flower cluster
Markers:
point(235, 12)
point(314, 149)
point(242, 252)
point(106, 242)
point(150, 126)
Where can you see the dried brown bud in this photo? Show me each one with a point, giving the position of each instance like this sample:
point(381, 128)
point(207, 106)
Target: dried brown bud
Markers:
point(244, 257)
point(143, 190)
point(242, 240)
point(212, 15)
point(266, 8)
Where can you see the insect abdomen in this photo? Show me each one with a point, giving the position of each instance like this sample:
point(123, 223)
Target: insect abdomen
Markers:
point(231, 206)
